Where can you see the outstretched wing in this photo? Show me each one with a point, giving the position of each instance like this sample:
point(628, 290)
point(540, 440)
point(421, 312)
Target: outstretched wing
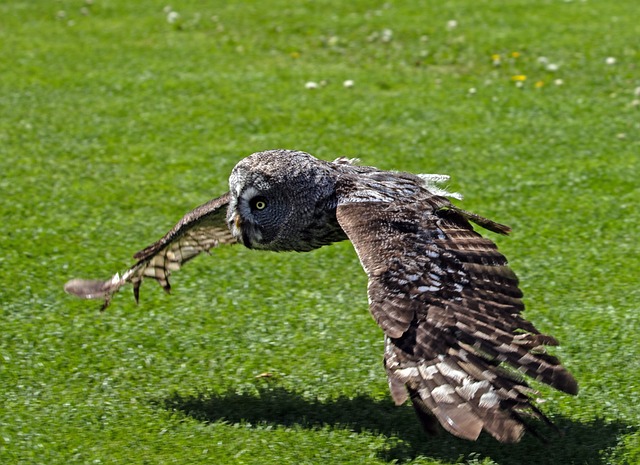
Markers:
point(450, 307)
point(198, 231)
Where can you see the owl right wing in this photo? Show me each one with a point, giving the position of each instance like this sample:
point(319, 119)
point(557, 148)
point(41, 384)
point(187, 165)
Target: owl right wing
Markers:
point(455, 340)
point(198, 231)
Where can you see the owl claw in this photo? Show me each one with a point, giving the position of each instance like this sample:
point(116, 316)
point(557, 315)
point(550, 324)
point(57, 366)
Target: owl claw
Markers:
point(136, 291)
point(106, 303)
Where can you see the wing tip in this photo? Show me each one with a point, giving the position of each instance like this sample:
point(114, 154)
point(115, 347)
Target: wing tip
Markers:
point(567, 383)
point(91, 289)
point(87, 288)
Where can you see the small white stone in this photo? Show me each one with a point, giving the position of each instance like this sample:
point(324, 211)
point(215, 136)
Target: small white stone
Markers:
point(333, 41)
point(311, 85)
point(348, 83)
point(610, 61)
point(172, 17)
point(452, 24)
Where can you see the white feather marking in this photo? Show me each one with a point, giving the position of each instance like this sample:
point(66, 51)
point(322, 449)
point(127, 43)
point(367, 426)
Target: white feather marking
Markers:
point(489, 399)
point(405, 374)
point(451, 372)
point(428, 288)
point(470, 388)
point(249, 193)
point(430, 181)
point(346, 161)
point(432, 254)
point(236, 185)
point(427, 372)
point(443, 394)
point(424, 393)
point(434, 178)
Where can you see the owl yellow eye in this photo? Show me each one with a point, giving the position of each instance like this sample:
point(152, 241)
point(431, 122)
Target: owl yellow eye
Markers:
point(258, 203)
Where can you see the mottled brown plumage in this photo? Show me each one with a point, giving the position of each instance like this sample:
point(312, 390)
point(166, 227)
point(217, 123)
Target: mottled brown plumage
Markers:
point(450, 308)
point(456, 343)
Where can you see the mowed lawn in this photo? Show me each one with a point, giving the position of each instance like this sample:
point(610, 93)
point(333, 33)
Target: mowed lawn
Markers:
point(117, 117)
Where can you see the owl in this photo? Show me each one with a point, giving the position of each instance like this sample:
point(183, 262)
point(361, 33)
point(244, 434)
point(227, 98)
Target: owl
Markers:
point(456, 343)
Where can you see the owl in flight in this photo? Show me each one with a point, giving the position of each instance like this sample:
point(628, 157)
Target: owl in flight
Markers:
point(456, 343)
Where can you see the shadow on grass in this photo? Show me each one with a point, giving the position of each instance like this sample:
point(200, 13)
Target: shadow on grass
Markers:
point(583, 443)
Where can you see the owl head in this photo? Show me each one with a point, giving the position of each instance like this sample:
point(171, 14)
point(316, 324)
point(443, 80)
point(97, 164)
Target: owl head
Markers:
point(283, 200)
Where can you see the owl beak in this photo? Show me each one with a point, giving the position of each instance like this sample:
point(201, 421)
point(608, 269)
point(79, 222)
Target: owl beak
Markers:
point(237, 222)
point(241, 234)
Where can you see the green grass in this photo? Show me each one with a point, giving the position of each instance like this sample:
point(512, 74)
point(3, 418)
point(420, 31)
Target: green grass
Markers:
point(113, 123)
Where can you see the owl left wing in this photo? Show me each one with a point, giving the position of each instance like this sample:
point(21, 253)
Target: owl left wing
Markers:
point(198, 231)
point(450, 308)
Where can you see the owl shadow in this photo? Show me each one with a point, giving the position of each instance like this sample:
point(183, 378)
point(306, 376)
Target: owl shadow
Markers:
point(275, 406)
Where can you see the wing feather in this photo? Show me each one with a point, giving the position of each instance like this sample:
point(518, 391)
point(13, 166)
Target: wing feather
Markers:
point(198, 231)
point(450, 308)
